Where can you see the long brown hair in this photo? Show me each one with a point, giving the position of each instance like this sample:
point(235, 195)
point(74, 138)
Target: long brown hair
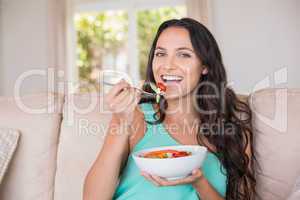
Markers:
point(231, 141)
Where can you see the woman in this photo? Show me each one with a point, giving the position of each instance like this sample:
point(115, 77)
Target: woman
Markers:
point(186, 58)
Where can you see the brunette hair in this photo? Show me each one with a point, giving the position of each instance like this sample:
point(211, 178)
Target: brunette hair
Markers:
point(230, 147)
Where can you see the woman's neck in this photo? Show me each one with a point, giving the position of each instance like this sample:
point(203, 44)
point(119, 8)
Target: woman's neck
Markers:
point(180, 109)
point(183, 112)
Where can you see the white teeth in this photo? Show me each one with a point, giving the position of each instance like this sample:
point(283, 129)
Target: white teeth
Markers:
point(171, 78)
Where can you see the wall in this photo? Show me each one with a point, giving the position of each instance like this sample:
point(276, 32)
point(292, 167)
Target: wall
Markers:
point(24, 44)
point(257, 38)
point(1, 57)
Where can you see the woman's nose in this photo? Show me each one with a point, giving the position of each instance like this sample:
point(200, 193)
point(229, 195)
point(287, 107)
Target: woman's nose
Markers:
point(170, 63)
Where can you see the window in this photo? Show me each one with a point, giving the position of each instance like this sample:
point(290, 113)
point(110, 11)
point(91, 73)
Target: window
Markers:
point(117, 36)
point(101, 44)
point(148, 22)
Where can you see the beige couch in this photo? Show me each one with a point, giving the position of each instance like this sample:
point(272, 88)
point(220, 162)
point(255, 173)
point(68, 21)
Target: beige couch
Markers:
point(59, 144)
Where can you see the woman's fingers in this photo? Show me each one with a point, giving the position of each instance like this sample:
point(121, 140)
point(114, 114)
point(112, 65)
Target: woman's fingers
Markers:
point(122, 101)
point(160, 181)
point(116, 102)
point(121, 85)
point(197, 173)
point(149, 178)
point(126, 100)
point(126, 97)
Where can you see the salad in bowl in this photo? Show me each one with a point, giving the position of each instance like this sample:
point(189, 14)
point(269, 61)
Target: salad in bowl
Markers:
point(170, 162)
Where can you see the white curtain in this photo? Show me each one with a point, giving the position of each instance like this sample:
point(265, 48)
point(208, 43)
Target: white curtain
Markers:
point(1, 58)
point(200, 10)
point(57, 26)
point(58, 19)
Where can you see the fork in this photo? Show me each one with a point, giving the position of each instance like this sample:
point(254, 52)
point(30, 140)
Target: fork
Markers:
point(136, 88)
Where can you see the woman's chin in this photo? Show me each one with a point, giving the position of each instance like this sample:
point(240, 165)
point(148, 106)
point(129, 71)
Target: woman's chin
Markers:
point(173, 96)
point(176, 95)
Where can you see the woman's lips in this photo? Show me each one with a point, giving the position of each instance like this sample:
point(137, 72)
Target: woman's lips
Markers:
point(171, 84)
point(171, 79)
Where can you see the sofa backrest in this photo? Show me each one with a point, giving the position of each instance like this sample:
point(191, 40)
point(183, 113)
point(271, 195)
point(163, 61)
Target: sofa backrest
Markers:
point(83, 130)
point(276, 126)
point(30, 175)
point(276, 114)
point(55, 154)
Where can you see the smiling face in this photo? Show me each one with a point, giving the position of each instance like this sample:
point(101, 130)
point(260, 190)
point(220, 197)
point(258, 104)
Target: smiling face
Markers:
point(175, 63)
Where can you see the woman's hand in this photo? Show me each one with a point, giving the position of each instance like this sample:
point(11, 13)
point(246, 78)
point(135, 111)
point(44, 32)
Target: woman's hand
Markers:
point(122, 101)
point(160, 181)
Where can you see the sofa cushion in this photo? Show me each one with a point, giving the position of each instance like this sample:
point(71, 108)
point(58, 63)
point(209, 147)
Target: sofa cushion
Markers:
point(8, 144)
point(82, 135)
point(295, 195)
point(276, 114)
point(31, 173)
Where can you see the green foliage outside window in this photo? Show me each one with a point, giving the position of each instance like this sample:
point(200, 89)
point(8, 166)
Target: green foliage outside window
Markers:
point(98, 33)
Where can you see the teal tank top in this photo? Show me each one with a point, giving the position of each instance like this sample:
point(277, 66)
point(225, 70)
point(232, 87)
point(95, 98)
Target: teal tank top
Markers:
point(133, 186)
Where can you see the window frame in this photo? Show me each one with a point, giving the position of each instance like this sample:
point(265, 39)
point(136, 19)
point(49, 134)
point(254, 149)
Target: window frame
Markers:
point(130, 6)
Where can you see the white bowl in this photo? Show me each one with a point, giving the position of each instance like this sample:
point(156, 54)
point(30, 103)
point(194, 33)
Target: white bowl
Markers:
point(171, 168)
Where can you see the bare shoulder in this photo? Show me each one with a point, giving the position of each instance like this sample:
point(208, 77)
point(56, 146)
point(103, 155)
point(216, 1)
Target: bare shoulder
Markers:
point(138, 127)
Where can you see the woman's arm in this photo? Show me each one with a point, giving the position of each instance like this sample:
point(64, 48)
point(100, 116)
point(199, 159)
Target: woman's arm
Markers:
point(102, 178)
point(196, 179)
point(112, 157)
point(205, 190)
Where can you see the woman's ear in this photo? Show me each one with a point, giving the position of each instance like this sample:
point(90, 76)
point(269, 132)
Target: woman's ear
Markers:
point(205, 70)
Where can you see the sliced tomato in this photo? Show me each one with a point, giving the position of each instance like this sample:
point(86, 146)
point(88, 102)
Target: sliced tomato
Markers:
point(164, 153)
point(161, 86)
point(159, 152)
point(180, 154)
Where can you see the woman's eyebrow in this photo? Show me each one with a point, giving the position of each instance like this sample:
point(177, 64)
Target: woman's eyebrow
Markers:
point(185, 48)
point(177, 49)
point(160, 48)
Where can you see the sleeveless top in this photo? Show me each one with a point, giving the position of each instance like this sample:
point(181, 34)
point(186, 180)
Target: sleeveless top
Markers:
point(133, 186)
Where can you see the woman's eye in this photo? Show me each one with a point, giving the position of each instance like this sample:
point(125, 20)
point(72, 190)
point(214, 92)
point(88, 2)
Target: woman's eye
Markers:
point(159, 54)
point(184, 55)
